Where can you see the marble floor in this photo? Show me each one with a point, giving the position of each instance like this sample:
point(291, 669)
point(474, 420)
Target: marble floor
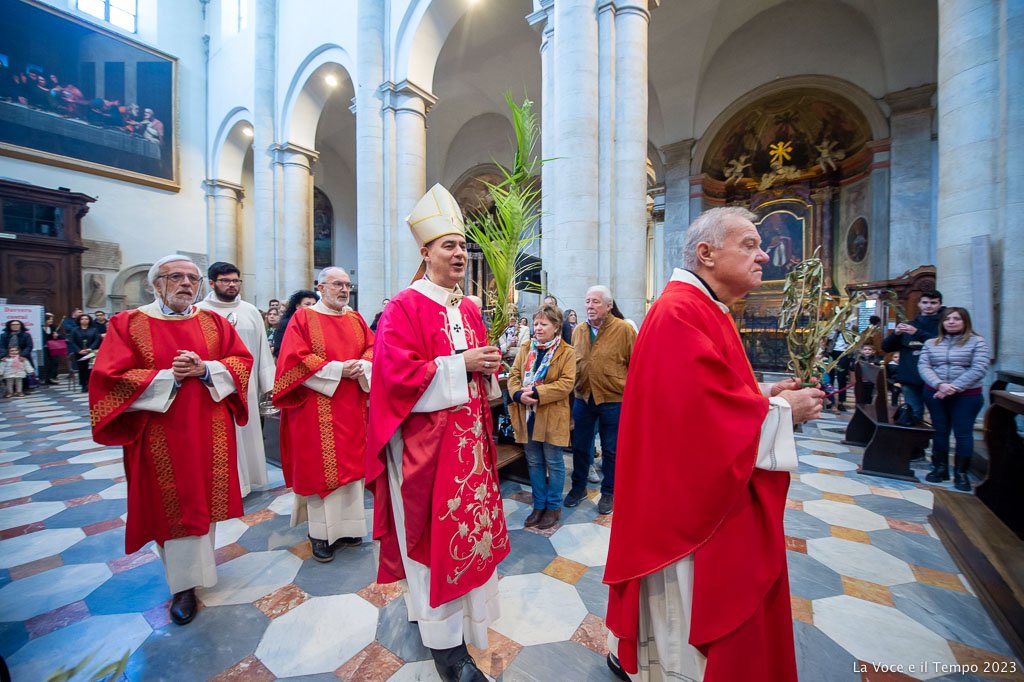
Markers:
point(871, 583)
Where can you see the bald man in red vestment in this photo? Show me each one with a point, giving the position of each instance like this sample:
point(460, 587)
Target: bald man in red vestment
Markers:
point(169, 385)
point(698, 587)
point(431, 458)
point(323, 376)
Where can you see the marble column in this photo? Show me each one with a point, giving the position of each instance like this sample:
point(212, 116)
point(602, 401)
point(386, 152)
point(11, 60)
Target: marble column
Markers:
point(225, 199)
point(265, 234)
point(878, 241)
point(295, 266)
point(575, 240)
point(910, 202)
point(543, 20)
point(370, 274)
point(607, 144)
point(1011, 311)
point(677, 203)
point(969, 139)
point(410, 104)
point(632, 20)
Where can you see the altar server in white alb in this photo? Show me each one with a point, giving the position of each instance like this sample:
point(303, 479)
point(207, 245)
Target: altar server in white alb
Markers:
point(225, 300)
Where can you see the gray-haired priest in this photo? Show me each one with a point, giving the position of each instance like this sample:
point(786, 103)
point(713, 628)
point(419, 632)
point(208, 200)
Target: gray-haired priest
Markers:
point(430, 456)
point(170, 383)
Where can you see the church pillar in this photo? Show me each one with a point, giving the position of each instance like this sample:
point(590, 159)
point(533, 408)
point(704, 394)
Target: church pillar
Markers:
point(225, 198)
point(910, 202)
point(677, 203)
point(371, 273)
point(266, 285)
point(574, 242)
point(878, 243)
point(1011, 311)
point(970, 144)
point(606, 142)
point(410, 104)
point(543, 20)
point(295, 263)
point(632, 19)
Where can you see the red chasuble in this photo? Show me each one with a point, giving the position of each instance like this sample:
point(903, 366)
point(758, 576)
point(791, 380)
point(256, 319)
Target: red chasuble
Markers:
point(454, 518)
point(181, 465)
point(685, 485)
point(322, 439)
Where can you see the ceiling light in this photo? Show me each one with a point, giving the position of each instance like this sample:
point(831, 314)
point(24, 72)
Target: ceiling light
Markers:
point(331, 80)
point(473, 3)
point(247, 131)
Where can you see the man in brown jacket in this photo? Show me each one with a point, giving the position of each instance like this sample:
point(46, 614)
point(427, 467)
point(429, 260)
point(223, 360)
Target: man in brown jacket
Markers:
point(603, 346)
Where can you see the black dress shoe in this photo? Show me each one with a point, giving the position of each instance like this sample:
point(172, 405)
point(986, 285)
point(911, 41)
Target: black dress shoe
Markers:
point(347, 542)
point(322, 550)
point(604, 505)
point(183, 607)
point(464, 670)
point(615, 667)
point(572, 499)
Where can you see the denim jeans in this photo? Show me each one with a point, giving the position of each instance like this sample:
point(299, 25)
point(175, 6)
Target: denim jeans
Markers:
point(956, 413)
point(913, 395)
point(547, 473)
point(587, 418)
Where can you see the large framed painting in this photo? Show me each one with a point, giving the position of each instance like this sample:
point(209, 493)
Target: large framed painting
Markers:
point(76, 95)
point(785, 230)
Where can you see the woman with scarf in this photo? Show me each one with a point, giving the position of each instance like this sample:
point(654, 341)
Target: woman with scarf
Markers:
point(541, 384)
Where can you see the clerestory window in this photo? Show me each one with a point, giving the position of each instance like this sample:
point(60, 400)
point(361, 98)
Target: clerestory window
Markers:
point(120, 13)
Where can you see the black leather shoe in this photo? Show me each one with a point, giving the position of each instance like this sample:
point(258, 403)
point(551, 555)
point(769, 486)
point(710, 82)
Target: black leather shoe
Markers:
point(961, 483)
point(347, 542)
point(604, 505)
point(464, 670)
point(322, 550)
point(613, 665)
point(183, 607)
point(938, 474)
point(573, 499)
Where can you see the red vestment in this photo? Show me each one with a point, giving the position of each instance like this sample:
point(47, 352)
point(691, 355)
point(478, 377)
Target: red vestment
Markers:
point(685, 484)
point(454, 518)
point(322, 438)
point(181, 464)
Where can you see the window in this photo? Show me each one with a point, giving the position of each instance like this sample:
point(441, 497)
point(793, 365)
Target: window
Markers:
point(25, 217)
point(120, 13)
point(234, 16)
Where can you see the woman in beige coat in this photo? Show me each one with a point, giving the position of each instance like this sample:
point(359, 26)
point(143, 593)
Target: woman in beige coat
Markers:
point(540, 385)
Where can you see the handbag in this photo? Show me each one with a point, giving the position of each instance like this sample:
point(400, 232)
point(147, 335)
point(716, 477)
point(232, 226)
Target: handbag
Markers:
point(57, 347)
point(904, 416)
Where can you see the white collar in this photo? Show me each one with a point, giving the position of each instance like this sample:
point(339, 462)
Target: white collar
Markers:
point(323, 309)
point(687, 277)
point(439, 294)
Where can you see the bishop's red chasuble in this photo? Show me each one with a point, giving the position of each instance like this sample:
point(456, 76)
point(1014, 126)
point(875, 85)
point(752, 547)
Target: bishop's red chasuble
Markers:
point(181, 464)
point(323, 439)
point(686, 486)
point(454, 518)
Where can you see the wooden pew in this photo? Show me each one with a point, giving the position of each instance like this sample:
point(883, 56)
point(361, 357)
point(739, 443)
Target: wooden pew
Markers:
point(889, 447)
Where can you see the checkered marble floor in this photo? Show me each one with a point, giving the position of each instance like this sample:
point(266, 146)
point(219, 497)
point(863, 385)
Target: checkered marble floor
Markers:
point(870, 580)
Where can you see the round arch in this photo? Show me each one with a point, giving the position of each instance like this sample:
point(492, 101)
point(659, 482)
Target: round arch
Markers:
point(858, 97)
point(421, 35)
point(230, 145)
point(306, 95)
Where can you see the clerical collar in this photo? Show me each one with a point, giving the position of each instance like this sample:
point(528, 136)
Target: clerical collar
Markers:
point(439, 294)
point(692, 278)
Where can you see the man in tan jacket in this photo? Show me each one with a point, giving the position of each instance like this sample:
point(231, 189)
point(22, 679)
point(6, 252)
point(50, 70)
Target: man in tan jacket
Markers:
point(603, 346)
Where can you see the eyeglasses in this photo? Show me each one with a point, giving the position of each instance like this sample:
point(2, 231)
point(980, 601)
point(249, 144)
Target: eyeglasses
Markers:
point(179, 277)
point(229, 282)
point(339, 285)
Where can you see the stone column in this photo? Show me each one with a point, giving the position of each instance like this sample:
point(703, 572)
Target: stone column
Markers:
point(607, 144)
point(411, 104)
point(677, 203)
point(295, 266)
point(225, 198)
point(264, 207)
point(543, 20)
point(969, 139)
point(632, 20)
point(878, 240)
point(1011, 311)
point(370, 274)
point(573, 270)
point(910, 204)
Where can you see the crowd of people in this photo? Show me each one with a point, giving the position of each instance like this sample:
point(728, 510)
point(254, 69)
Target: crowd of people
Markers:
point(46, 92)
point(402, 407)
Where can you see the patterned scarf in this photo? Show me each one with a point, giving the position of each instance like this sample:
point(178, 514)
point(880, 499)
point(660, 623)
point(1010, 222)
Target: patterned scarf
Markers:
point(535, 375)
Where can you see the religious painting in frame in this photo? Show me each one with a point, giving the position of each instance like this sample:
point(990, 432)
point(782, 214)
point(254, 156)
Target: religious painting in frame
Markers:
point(784, 227)
point(323, 229)
point(76, 95)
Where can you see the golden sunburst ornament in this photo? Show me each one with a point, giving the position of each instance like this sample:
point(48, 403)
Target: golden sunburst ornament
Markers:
point(781, 152)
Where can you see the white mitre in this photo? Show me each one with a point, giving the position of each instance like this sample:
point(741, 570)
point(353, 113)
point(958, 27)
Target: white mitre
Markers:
point(436, 215)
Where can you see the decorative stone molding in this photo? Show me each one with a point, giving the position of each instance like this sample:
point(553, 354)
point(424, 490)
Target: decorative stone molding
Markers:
point(100, 255)
point(214, 187)
point(406, 96)
point(291, 154)
point(911, 100)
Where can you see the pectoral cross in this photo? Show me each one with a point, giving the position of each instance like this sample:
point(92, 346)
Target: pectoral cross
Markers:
point(457, 328)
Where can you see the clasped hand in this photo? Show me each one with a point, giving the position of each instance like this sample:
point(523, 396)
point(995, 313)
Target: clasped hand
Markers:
point(485, 359)
point(352, 370)
point(187, 364)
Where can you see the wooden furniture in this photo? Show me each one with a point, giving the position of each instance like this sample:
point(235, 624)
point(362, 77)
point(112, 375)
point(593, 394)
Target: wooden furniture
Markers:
point(1002, 489)
point(890, 447)
point(41, 246)
point(511, 456)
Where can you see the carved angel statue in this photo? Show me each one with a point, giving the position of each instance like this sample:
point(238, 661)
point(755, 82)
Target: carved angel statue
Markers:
point(734, 169)
point(828, 155)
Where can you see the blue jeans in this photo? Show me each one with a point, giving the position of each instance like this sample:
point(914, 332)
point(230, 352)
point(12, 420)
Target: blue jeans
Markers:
point(547, 473)
point(587, 418)
point(956, 413)
point(913, 395)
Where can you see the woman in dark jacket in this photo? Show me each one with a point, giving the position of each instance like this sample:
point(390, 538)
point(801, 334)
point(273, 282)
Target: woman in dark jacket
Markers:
point(15, 334)
point(303, 298)
point(83, 341)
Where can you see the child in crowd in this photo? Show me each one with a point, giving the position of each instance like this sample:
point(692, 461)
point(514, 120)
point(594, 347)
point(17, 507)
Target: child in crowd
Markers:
point(14, 369)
